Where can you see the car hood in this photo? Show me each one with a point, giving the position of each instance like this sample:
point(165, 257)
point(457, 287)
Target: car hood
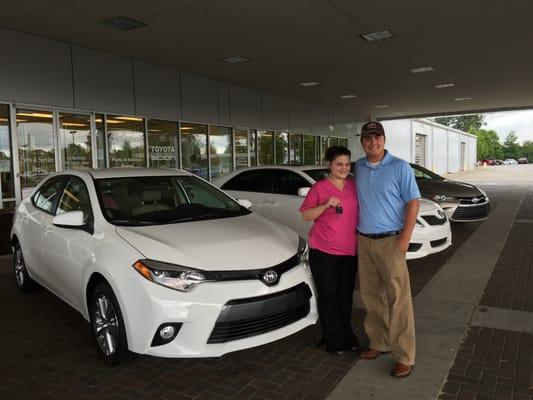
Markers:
point(246, 242)
point(448, 188)
point(427, 206)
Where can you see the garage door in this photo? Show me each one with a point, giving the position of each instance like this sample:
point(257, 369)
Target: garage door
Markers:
point(420, 150)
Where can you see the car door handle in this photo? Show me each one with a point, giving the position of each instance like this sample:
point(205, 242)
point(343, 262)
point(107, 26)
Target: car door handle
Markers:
point(47, 230)
point(271, 202)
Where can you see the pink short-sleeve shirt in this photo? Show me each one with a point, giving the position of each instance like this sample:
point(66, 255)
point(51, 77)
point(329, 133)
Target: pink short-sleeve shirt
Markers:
point(333, 233)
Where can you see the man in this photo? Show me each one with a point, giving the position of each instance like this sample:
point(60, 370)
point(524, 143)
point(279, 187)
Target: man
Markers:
point(388, 206)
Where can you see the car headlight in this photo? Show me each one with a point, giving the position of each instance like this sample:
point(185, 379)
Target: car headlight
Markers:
point(303, 251)
point(172, 276)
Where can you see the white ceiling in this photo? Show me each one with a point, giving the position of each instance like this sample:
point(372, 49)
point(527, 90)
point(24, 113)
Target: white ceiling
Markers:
point(483, 47)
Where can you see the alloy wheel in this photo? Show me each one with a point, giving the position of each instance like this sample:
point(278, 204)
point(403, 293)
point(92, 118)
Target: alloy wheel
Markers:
point(106, 325)
point(20, 268)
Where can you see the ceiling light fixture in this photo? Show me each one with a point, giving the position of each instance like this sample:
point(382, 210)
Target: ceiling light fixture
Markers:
point(308, 84)
point(236, 59)
point(373, 36)
point(40, 115)
point(113, 121)
point(420, 70)
point(122, 23)
point(444, 85)
point(130, 119)
point(382, 106)
point(75, 124)
point(462, 99)
point(3, 119)
point(348, 96)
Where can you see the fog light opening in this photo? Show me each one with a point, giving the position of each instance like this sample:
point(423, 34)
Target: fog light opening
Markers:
point(166, 333)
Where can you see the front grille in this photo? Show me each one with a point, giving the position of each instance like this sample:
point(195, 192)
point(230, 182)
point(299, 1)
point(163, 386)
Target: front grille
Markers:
point(253, 316)
point(239, 275)
point(438, 242)
point(471, 213)
point(434, 220)
point(473, 200)
point(414, 246)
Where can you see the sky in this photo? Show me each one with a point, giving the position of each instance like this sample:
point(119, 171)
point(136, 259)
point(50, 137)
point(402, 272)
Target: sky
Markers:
point(506, 121)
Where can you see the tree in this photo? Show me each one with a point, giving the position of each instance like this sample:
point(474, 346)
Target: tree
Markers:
point(511, 148)
point(465, 123)
point(488, 144)
point(527, 150)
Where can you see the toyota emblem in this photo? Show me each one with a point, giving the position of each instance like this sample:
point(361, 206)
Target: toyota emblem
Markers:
point(475, 200)
point(441, 213)
point(270, 277)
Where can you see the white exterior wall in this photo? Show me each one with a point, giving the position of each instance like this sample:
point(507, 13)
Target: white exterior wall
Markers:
point(443, 144)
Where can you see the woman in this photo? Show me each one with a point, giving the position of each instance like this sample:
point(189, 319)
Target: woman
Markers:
point(332, 205)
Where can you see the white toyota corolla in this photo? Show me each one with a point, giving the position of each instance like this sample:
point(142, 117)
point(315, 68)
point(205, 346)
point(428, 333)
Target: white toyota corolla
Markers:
point(277, 192)
point(162, 262)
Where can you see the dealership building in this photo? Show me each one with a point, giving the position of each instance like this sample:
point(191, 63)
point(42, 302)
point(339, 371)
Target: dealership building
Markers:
point(64, 107)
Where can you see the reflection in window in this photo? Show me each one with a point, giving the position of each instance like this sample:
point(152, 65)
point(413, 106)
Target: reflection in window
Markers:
point(220, 151)
point(265, 147)
point(309, 150)
point(36, 146)
point(101, 152)
point(240, 136)
point(75, 140)
point(163, 143)
point(194, 149)
point(6, 168)
point(126, 141)
point(281, 140)
point(324, 144)
point(253, 148)
point(295, 148)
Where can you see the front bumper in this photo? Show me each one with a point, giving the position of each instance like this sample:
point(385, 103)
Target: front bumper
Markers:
point(219, 317)
point(429, 240)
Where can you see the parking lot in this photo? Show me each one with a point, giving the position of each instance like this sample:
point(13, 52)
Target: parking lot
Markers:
point(48, 352)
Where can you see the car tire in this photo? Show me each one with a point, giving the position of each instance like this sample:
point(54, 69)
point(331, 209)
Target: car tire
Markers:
point(22, 278)
point(108, 325)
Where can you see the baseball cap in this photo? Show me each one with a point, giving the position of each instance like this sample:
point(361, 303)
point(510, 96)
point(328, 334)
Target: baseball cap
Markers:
point(372, 128)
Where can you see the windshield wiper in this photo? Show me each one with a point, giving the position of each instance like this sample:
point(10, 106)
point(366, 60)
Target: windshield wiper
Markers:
point(129, 222)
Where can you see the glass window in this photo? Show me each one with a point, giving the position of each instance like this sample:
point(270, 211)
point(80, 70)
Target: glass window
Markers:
point(101, 151)
point(241, 148)
point(324, 144)
point(295, 148)
point(36, 147)
point(259, 180)
point(46, 197)
point(75, 140)
point(282, 147)
point(194, 149)
point(343, 142)
point(7, 190)
point(265, 147)
point(75, 198)
point(126, 141)
point(253, 148)
point(220, 151)
point(157, 200)
point(288, 182)
point(163, 143)
point(333, 141)
point(318, 174)
point(309, 150)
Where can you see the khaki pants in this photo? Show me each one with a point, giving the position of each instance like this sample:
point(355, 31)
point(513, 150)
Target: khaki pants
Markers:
point(386, 293)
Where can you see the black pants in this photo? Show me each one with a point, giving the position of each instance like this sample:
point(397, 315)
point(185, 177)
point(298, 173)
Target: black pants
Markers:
point(334, 278)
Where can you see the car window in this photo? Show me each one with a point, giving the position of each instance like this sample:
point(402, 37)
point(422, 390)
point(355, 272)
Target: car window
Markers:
point(48, 194)
point(318, 174)
point(288, 182)
point(75, 197)
point(423, 173)
point(162, 200)
point(260, 180)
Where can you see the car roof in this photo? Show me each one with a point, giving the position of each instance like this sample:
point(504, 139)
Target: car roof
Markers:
point(129, 172)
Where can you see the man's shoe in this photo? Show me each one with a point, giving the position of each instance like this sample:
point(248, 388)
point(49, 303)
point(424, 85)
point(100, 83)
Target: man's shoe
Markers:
point(401, 370)
point(369, 354)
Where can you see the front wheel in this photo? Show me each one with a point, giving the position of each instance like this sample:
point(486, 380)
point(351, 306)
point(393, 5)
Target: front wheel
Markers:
point(22, 278)
point(108, 325)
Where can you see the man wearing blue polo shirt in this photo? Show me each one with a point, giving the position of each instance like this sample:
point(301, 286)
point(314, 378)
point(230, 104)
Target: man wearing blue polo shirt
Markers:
point(388, 207)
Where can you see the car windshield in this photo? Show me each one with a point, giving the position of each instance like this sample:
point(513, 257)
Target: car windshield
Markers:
point(317, 174)
point(158, 200)
point(423, 173)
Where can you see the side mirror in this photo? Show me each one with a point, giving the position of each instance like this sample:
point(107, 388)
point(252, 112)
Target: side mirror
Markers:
point(245, 203)
point(72, 220)
point(302, 192)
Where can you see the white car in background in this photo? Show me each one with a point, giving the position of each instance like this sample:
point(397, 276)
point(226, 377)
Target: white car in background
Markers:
point(276, 192)
point(510, 161)
point(161, 262)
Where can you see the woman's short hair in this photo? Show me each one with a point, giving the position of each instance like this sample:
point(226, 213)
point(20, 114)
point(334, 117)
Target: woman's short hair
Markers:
point(335, 151)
